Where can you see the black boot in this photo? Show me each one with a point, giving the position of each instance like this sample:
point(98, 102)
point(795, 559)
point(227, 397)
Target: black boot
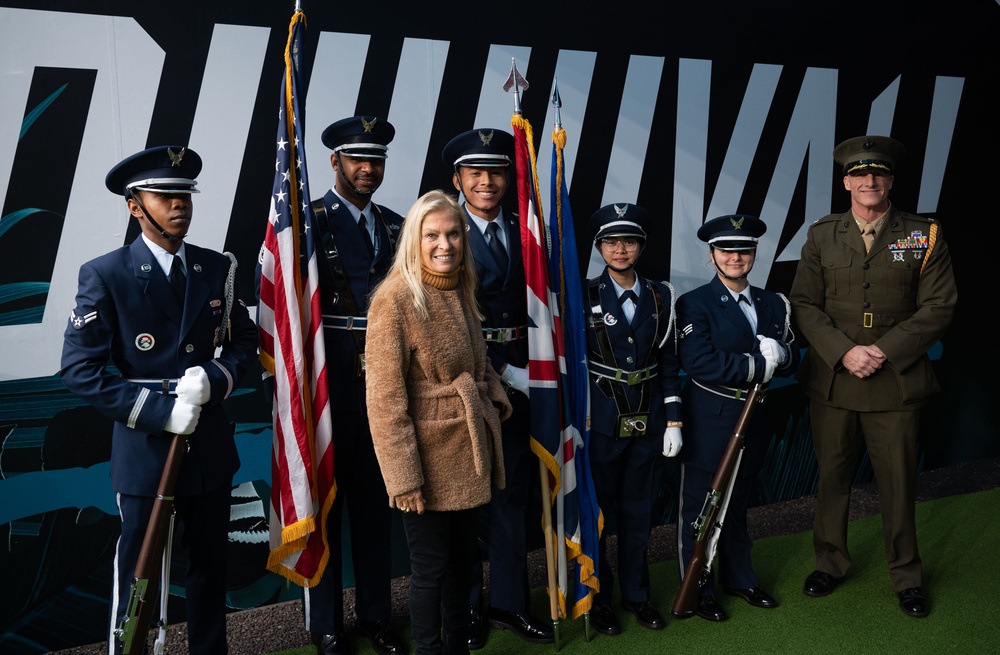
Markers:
point(456, 643)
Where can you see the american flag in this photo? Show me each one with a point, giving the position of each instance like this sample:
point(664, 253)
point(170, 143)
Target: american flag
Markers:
point(579, 515)
point(292, 350)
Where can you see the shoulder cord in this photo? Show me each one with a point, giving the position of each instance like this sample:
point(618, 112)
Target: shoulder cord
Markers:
point(225, 329)
point(672, 321)
point(930, 248)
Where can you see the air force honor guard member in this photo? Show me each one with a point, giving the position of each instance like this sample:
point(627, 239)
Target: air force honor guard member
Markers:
point(481, 158)
point(635, 405)
point(156, 310)
point(358, 241)
point(733, 336)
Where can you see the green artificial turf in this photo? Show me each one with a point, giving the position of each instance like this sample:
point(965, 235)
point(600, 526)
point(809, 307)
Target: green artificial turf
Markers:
point(960, 545)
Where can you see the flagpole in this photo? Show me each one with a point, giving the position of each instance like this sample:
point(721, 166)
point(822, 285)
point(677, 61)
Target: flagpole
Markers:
point(517, 82)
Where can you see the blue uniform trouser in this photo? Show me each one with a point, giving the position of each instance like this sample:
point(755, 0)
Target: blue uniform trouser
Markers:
point(510, 518)
point(361, 489)
point(623, 482)
point(734, 546)
point(202, 526)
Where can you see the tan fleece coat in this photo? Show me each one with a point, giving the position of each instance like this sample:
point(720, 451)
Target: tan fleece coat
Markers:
point(434, 403)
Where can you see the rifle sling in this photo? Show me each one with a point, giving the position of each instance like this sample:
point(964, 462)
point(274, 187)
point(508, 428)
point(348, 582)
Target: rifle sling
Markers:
point(607, 352)
point(333, 273)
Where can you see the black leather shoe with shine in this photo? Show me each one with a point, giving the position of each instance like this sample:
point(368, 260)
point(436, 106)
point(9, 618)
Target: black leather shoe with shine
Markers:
point(384, 639)
point(330, 644)
point(755, 596)
point(477, 628)
point(646, 614)
point(914, 603)
point(603, 619)
point(709, 608)
point(523, 624)
point(820, 583)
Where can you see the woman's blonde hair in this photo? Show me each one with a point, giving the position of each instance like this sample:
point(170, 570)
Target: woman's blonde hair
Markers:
point(407, 263)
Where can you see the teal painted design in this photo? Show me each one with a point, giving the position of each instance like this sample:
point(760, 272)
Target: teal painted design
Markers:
point(39, 110)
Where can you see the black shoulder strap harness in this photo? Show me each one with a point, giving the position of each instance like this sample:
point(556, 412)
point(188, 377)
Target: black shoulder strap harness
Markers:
point(606, 373)
point(334, 271)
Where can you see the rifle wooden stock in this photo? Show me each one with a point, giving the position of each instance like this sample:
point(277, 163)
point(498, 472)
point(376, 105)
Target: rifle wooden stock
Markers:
point(700, 564)
point(135, 624)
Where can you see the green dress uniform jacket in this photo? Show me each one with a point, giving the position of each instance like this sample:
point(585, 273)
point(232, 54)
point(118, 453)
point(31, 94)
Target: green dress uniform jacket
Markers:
point(900, 296)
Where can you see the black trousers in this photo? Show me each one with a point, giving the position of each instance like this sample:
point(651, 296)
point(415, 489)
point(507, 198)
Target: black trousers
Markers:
point(443, 548)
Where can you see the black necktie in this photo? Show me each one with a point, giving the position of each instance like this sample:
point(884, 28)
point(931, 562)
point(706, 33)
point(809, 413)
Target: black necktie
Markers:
point(496, 247)
point(741, 298)
point(178, 281)
point(363, 226)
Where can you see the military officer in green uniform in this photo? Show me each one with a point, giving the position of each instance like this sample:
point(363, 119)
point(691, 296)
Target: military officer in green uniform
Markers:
point(874, 290)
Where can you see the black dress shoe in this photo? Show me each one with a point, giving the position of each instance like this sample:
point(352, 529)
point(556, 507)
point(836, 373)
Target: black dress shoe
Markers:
point(603, 619)
point(384, 639)
point(913, 602)
point(477, 627)
point(709, 608)
point(646, 614)
point(523, 624)
point(755, 596)
point(820, 583)
point(330, 644)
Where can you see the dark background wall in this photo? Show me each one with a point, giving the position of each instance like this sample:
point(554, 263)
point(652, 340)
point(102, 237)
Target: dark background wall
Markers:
point(715, 108)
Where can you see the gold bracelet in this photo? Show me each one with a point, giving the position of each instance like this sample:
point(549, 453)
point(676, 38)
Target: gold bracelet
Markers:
point(675, 424)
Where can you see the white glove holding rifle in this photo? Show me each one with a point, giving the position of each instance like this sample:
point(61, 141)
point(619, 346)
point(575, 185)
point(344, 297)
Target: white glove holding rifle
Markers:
point(183, 418)
point(194, 388)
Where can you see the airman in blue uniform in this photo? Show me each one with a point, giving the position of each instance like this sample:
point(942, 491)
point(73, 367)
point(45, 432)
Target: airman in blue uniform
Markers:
point(733, 336)
point(635, 406)
point(481, 158)
point(157, 340)
point(358, 242)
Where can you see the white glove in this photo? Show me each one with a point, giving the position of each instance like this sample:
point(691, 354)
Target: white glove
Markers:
point(672, 442)
point(769, 366)
point(771, 349)
point(516, 377)
point(183, 418)
point(193, 388)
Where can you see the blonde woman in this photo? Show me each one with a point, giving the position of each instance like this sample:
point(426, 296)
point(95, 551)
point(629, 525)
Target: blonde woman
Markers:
point(435, 406)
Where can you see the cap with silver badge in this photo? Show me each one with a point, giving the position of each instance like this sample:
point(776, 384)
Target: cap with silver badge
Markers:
point(360, 136)
point(165, 169)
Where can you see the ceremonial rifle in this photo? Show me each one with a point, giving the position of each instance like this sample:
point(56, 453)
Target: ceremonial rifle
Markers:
point(708, 525)
point(134, 627)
